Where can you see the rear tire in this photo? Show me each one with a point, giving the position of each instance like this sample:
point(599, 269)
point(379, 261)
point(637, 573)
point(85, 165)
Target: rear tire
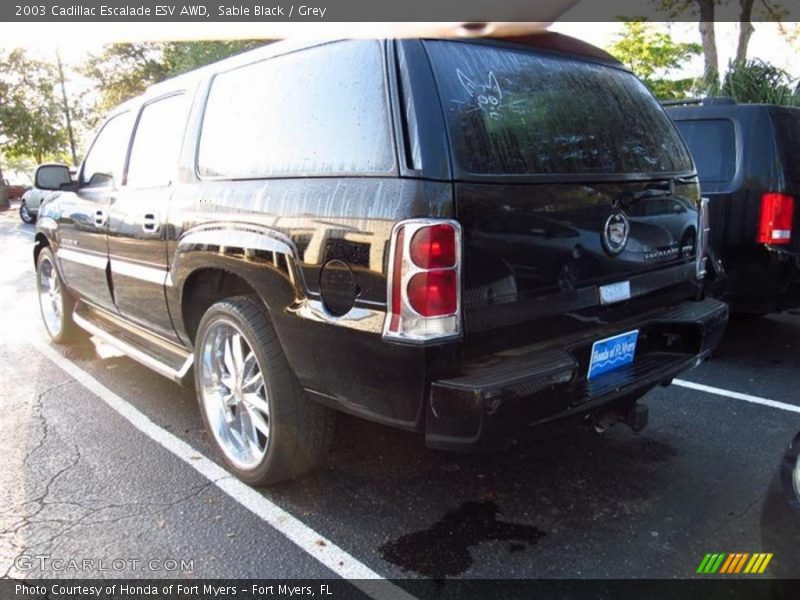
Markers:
point(262, 423)
point(24, 214)
point(55, 302)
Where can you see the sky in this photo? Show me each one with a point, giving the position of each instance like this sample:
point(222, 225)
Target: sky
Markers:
point(80, 39)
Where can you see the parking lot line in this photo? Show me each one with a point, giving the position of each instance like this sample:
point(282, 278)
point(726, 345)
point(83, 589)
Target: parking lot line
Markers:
point(304, 537)
point(736, 395)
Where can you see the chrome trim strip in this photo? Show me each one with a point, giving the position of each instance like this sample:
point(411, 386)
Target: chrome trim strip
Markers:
point(236, 235)
point(359, 318)
point(83, 258)
point(137, 271)
point(133, 352)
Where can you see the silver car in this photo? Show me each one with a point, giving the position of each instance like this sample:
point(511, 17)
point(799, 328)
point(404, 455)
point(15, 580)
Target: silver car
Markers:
point(31, 201)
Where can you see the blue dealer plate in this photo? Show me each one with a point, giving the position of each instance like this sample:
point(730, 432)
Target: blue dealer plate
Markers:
point(612, 353)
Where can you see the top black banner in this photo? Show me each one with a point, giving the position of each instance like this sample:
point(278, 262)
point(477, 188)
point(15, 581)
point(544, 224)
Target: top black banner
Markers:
point(337, 11)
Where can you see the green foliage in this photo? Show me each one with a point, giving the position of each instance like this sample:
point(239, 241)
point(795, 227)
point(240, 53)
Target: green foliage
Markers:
point(652, 55)
point(31, 110)
point(180, 57)
point(759, 82)
point(123, 71)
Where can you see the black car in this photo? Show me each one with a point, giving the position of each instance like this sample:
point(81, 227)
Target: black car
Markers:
point(460, 238)
point(748, 160)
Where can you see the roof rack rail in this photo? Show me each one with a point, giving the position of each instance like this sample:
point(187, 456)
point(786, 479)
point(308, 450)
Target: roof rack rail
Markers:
point(682, 102)
point(716, 100)
point(707, 101)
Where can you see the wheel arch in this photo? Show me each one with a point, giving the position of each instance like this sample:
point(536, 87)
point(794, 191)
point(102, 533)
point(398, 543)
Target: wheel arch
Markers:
point(39, 241)
point(220, 260)
point(203, 288)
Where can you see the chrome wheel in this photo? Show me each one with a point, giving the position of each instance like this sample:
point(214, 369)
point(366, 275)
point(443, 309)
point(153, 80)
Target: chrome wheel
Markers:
point(233, 394)
point(51, 298)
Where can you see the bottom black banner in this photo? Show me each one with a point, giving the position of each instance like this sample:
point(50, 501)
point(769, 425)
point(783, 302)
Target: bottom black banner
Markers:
point(403, 589)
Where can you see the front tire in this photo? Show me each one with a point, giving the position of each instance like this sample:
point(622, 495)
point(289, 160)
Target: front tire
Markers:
point(262, 423)
point(24, 214)
point(55, 302)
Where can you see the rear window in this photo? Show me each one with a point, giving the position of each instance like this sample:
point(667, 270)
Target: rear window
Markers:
point(516, 112)
point(712, 143)
point(787, 130)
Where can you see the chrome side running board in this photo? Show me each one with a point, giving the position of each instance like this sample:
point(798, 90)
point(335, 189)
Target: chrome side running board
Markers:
point(177, 375)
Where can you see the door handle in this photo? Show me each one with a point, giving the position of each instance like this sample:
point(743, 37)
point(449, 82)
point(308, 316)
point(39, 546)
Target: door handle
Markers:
point(100, 218)
point(150, 223)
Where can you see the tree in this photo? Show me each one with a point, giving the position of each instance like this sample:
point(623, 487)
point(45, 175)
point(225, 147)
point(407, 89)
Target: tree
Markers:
point(708, 36)
point(707, 10)
point(30, 110)
point(652, 55)
point(745, 29)
point(123, 71)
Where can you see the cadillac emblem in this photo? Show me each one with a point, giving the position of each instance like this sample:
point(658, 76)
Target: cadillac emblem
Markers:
point(615, 233)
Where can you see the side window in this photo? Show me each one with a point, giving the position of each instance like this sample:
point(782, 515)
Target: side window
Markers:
point(104, 164)
point(319, 111)
point(157, 142)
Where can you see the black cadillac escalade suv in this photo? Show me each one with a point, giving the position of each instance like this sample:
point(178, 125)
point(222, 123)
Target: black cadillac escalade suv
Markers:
point(460, 238)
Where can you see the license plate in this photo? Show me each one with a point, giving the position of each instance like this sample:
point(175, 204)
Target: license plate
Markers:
point(615, 292)
point(612, 353)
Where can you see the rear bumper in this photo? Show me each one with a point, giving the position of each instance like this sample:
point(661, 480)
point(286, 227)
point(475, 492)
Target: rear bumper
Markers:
point(500, 399)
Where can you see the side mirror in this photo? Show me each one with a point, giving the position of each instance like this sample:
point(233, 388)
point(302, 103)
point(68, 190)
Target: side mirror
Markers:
point(100, 179)
point(52, 177)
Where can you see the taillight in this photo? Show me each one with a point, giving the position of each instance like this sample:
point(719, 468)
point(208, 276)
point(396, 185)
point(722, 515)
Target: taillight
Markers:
point(433, 293)
point(703, 233)
point(775, 223)
point(424, 282)
point(434, 247)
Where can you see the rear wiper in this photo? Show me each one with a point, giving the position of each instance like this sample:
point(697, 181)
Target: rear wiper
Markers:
point(662, 190)
point(656, 190)
point(651, 192)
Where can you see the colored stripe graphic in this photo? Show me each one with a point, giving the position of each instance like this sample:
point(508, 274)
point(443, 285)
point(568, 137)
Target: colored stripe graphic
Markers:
point(741, 562)
point(754, 563)
point(711, 563)
point(703, 563)
point(764, 564)
point(734, 563)
point(730, 564)
point(727, 564)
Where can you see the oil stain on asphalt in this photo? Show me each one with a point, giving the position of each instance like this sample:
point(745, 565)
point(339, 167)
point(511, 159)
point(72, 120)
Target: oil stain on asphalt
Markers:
point(442, 550)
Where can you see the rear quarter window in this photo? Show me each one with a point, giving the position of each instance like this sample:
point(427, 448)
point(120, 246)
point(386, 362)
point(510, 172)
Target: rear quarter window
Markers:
point(518, 112)
point(787, 133)
point(712, 143)
point(320, 111)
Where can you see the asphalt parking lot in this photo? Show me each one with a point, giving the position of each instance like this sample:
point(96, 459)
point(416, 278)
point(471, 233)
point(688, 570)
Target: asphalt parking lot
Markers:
point(105, 460)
